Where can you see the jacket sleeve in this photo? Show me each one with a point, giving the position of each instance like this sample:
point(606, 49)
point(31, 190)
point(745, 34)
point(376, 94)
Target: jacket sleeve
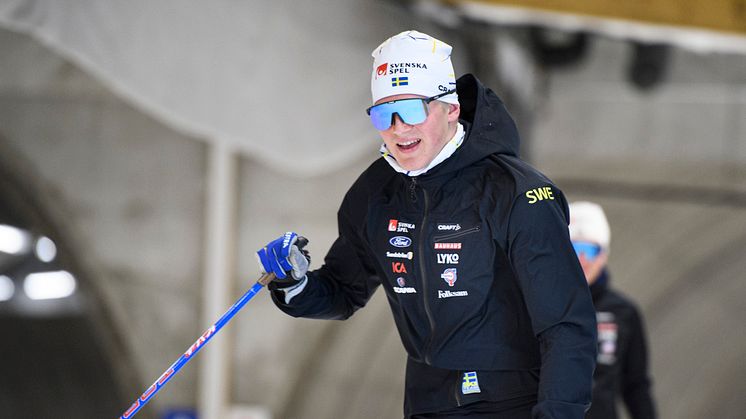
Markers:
point(343, 284)
point(635, 378)
point(558, 301)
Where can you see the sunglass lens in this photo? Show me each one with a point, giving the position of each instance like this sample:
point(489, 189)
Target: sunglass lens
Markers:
point(411, 111)
point(381, 117)
point(589, 250)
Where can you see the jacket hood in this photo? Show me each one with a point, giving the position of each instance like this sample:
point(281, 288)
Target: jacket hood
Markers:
point(489, 127)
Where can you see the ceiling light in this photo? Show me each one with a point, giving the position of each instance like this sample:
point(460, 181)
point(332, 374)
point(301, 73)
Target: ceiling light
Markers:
point(45, 249)
point(49, 285)
point(7, 289)
point(13, 240)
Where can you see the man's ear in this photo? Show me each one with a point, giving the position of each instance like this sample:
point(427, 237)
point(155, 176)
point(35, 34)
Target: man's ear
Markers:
point(453, 112)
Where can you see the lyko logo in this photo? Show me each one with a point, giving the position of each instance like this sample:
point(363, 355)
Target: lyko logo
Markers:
point(400, 241)
point(448, 258)
point(398, 267)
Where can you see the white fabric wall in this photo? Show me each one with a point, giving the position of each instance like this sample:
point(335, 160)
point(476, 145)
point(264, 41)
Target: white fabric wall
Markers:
point(280, 80)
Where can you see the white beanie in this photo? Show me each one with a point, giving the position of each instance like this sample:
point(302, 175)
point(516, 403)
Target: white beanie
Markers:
point(413, 63)
point(588, 223)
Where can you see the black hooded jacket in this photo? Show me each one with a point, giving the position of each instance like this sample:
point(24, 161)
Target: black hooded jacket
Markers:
point(622, 364)
point(478, 269)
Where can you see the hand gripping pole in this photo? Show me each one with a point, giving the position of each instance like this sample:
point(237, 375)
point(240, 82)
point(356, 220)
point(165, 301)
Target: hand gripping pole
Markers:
point(196, 346)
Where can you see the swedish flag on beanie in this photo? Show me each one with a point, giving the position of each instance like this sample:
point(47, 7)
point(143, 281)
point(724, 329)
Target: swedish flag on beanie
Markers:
point(413, 63)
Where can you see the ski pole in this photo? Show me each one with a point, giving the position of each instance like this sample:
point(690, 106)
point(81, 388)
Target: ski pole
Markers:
point(196, 346)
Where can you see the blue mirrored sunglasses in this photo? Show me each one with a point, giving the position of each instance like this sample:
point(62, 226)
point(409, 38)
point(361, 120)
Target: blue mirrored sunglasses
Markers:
point(411, 111)
point(590, 250)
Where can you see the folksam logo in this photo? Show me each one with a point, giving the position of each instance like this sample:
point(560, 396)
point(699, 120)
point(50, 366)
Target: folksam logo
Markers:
point(400, 241)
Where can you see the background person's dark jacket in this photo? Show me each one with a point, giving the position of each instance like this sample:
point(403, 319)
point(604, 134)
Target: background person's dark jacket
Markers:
point(622, 367)
point(519, 305)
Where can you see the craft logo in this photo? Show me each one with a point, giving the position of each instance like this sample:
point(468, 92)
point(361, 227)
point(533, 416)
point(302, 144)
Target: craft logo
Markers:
point(381, 70)
point(398, 267)
point(400, 227)
point(470, 383)
point(449, 227)
point(448, 246)
point(400, 241)
point(402, 289)
point(399, 81)
point(450, 276)
point(448, 258)
point(400, 255)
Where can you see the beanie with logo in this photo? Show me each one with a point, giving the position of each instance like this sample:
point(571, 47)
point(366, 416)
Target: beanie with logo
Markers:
point(588, 223)
point(413, 63)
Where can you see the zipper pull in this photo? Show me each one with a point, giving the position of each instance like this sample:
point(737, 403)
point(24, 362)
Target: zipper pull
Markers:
point(412, 191)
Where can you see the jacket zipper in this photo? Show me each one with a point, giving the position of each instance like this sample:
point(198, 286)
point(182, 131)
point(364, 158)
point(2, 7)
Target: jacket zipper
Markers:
point(423, 269)
point(457, 393)
point(455, 235)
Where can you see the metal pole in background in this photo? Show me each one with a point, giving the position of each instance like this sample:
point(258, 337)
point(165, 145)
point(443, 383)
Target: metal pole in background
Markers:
point(219, 251)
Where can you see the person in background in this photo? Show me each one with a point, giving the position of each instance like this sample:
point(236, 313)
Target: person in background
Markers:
point(469, 243)
point(622, 363)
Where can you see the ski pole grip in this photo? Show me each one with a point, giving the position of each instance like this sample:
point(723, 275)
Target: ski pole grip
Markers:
point(266, 278)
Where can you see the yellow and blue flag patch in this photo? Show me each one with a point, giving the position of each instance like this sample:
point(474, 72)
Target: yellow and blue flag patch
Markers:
point(470, 383)
point(399, 81)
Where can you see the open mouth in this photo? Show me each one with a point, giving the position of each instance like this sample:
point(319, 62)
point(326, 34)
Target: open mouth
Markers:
point(408, 145)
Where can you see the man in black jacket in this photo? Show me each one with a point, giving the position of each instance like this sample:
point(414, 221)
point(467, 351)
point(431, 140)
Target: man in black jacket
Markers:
point(469, 243)
point(622, 364)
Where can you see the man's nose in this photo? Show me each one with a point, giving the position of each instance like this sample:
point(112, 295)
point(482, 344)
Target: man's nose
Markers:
point(398, 124)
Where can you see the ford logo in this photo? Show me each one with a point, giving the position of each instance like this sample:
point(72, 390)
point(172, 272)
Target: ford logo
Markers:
point(400, 241)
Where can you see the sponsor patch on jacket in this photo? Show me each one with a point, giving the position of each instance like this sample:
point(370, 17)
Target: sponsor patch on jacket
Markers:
point(449, 227)
point(448, 246)
point(607, 338)
point(470, 383)
point(447, 258)
point(450, 275)
point(400, 255)
point(449, 294)
point(400, 227)
point(402, 288)
point(398, 268)
point(400, 241)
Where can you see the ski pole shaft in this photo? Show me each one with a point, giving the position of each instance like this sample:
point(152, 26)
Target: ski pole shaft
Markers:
point(196, 346)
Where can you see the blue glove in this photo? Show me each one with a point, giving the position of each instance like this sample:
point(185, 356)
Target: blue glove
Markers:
point(285, 258)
